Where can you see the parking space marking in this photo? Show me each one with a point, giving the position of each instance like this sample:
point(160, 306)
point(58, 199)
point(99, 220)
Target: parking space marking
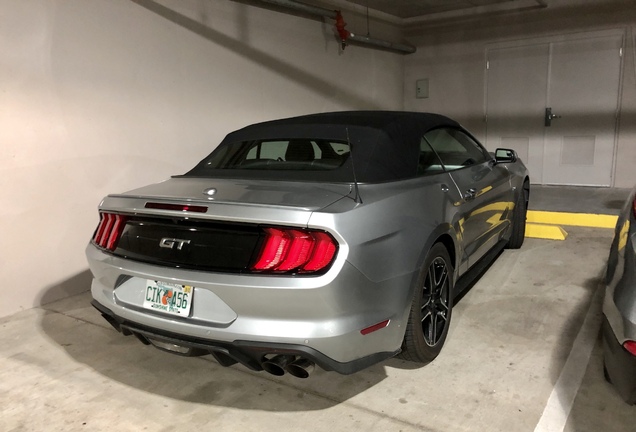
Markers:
point(541, 231)
point(557, 410)
point(572, 219)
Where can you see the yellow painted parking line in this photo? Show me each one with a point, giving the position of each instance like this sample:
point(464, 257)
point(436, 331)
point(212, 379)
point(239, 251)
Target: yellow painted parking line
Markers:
point(572, 219)
point(541, 231)
point(547, 225)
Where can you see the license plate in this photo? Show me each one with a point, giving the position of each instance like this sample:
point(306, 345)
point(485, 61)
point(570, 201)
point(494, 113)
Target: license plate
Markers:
point(169, 298)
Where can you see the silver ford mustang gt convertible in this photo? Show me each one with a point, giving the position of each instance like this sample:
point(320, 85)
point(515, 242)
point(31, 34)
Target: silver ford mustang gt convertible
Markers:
point(337, 240)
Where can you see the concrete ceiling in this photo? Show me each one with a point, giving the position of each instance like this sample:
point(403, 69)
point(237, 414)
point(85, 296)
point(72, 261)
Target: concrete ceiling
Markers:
point(417, 10)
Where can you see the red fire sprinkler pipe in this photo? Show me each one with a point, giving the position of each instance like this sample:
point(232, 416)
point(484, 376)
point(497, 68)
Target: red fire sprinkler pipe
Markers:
point(340, 28)
point(344, 35)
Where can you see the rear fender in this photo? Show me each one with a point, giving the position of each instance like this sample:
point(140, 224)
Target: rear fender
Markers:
point(440, 234)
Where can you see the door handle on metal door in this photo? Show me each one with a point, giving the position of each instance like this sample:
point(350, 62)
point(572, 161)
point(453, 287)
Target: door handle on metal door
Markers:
point(549, 116)
point(470, 194)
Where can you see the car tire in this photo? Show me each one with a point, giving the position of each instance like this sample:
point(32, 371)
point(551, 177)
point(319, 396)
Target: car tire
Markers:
point(518, 221)
point(431, 308)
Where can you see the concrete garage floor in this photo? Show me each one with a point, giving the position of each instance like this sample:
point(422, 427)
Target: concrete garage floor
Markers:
point(523, 354)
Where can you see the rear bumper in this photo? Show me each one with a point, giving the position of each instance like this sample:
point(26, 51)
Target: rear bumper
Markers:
point(620, 365)
point(321, 317)
point(249, 353)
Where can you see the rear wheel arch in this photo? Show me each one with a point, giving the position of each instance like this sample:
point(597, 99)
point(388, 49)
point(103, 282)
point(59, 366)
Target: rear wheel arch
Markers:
point(449, 244)
point(449, 241)
point(431, 306)
point(445, 236)
point(526, 190)
point(519, 216)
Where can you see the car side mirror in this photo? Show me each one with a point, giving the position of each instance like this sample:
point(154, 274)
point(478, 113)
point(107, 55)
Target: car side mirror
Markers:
point(504, 155)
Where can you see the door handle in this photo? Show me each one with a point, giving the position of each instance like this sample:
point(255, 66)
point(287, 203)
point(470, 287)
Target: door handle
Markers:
point(470, 194)
point(549, 116)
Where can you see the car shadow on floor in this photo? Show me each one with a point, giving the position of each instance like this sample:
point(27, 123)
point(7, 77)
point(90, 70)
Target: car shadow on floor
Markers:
point(78, 329)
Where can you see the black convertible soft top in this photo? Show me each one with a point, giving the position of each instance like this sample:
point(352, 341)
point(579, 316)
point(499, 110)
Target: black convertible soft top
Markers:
point(385, 145)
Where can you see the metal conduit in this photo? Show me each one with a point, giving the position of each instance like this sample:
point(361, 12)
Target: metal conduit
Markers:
point(393, 46)
point(303, 7)
point(333, 14)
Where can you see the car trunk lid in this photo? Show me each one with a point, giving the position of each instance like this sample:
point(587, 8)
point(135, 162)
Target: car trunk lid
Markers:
point(238, 200)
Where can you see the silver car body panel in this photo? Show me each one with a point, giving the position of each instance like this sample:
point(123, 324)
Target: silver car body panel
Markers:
point(619, 305)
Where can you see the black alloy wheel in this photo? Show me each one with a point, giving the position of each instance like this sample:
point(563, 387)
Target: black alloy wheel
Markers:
point(435, 302)
point(431, 308)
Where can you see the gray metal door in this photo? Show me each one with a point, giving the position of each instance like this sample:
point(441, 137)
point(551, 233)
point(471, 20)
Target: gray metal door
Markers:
point(516, 97)
point(555, 103)
point(583, 101)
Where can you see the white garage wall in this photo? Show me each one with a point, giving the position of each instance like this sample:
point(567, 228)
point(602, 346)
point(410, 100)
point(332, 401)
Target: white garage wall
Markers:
point(452, 57)
point(101, 96)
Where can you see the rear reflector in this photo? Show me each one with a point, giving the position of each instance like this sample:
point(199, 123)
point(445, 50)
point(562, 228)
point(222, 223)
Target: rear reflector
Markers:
point(630, 346)
point(375, 327)
point(176, 207)
point(304, 251)
point(109, 230)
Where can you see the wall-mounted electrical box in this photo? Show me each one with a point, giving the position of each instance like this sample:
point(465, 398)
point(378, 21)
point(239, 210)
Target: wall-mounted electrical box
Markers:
point(421, 88)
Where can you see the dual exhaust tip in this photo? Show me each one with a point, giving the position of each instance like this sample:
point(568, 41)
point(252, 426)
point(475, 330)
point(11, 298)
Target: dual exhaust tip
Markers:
point(294, 365)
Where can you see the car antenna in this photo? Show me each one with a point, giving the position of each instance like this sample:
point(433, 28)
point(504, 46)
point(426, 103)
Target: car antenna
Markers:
point(357, 198)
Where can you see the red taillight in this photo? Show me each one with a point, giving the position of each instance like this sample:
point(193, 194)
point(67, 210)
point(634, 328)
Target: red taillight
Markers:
point(104, 221)
point(299, 251)
point(109, 230)
point(630, 346)
point(322, 254)
point(276, 244)
point(305, 251)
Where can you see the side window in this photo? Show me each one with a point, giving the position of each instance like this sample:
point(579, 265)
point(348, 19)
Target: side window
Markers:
point(428, 162)
point(455, 148)
point(476, 151)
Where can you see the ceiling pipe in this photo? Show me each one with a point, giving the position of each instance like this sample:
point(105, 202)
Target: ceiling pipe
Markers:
point(391, 46)
point(303, 7)
point(345, 35)
point(478, 11)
